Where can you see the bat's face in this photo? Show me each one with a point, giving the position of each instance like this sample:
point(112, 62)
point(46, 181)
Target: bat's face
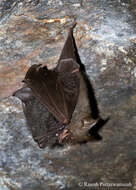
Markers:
point(79, 129)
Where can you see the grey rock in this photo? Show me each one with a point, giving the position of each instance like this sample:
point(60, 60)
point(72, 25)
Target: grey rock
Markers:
point(106, 39)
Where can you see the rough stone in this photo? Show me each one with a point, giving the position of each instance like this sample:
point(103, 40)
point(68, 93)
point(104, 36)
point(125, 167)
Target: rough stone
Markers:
point(34, 32)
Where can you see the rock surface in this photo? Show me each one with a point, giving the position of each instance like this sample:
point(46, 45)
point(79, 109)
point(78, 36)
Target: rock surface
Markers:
point(33, 31)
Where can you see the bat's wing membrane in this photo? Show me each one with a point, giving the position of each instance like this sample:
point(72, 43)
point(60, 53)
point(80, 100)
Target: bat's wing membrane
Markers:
point(57, 91)
point(69, 86)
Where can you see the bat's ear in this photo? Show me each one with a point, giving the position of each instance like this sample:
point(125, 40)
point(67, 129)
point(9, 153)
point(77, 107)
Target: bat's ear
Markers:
point(24, 94)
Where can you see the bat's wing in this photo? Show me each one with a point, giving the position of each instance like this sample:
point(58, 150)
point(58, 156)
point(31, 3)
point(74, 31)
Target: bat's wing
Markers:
point(57, 89)
point(43, 125)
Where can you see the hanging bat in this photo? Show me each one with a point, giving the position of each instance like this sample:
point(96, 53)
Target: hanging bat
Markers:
point(53, 99)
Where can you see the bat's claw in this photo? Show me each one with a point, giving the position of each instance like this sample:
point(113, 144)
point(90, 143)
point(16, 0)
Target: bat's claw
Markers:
point(63, 135)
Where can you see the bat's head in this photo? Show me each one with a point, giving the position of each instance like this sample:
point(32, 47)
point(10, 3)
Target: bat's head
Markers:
point(79, 131)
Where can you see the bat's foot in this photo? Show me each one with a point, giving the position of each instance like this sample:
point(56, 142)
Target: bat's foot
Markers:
point(63, 135)
point(72, 27)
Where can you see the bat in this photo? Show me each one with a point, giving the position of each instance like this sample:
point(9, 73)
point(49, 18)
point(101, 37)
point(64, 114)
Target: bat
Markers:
point(55, 92)
point(56, 102)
